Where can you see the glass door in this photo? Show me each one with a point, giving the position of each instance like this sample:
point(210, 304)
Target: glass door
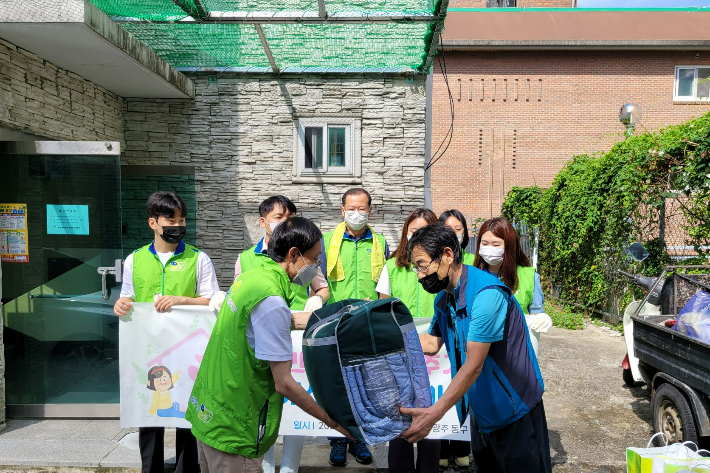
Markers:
point(61, 249)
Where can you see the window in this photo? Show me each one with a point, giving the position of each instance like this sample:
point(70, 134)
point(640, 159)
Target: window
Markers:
point(692, 83)
point(502, 3)
point(327, 147)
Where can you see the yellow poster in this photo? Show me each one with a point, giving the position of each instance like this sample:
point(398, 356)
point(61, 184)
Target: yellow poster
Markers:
point(13, 233)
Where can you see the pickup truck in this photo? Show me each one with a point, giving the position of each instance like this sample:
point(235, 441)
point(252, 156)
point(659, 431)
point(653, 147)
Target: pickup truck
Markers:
point(675, 366)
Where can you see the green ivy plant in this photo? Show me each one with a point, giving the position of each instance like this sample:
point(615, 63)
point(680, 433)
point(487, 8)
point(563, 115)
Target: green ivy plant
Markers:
point(597, 205)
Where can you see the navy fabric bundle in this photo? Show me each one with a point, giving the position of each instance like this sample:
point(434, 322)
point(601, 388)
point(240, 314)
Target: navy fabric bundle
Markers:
point(364, 360)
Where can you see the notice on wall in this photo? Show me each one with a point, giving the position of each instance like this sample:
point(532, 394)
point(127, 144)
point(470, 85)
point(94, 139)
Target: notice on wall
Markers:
point(67, 219)
point(13, 233)
point(160, 356)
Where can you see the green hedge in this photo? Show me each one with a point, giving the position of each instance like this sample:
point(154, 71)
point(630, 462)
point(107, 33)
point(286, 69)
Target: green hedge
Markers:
point(597, 205)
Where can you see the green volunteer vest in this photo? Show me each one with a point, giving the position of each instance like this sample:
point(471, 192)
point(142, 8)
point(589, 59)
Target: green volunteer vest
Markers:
point(234, 406)
point(355, 257)
point(468, 258)
point(526, 287)
point(251, 258)
point(177, 278)
point(404, 284)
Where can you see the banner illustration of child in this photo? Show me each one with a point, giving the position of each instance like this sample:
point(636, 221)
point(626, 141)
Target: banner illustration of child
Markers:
point(162, 381)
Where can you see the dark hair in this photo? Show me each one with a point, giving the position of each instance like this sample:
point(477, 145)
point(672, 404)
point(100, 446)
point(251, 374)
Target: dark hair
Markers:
point(157, 372)
point(401, 254)
point(513, 255)
point(295, 231)
point(281, 200)
point(165, 204)
point(433, 239)
point(445, 215)
point(357, 191)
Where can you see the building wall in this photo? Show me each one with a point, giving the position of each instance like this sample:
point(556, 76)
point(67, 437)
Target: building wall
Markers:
point(239, 135)
point(520, 116)
point(38, 98)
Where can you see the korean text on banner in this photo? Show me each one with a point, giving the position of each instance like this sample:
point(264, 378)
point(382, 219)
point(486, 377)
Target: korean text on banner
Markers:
point(160, 355)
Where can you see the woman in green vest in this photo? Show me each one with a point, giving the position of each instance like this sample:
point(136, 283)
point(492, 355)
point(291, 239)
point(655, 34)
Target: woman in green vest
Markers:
point(457, 222)
point(498, 252)
point(398, 280)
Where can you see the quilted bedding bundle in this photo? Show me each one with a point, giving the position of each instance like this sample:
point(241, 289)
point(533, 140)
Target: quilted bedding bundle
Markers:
point(364, 360)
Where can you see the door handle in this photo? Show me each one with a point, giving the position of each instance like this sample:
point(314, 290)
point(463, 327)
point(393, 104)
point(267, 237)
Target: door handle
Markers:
point(116, 271)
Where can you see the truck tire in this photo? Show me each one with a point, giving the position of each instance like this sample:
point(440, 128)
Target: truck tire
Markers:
point(672, 415)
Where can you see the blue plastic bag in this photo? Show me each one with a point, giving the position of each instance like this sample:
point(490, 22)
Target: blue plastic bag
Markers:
point(694, 318)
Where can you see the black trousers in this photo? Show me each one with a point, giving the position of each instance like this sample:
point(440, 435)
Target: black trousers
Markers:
point(523, 446)
point(401, 456)
point(151, 441)
point(455, 448)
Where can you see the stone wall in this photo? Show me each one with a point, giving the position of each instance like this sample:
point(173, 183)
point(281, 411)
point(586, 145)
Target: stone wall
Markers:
point(238, 133)
point(38, 98)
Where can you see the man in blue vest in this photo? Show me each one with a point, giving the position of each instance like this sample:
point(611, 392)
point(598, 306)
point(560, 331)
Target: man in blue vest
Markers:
point(493, 365)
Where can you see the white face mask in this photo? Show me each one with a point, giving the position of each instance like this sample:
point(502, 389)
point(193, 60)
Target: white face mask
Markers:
point(305, 275)
point(493, 255)
point(459, 237)
point(273, 226)
point(356, 220)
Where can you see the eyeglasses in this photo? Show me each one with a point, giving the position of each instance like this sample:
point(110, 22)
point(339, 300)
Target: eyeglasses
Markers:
point(316, 263)
point(423, 269)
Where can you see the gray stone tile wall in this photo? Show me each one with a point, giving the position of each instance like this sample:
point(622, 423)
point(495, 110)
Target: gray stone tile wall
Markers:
point(238, 133)
point(39, 98)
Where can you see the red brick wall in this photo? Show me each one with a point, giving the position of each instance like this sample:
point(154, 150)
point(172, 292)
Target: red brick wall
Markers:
point(521, 3)
point(519, 116)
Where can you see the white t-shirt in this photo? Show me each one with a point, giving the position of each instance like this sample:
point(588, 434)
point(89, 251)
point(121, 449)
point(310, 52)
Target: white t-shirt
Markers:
point(206, 277)
point(383, 285)
point(269, 330)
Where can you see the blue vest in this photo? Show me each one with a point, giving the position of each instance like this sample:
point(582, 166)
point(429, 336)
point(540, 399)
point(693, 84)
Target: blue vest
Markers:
point(510, 383)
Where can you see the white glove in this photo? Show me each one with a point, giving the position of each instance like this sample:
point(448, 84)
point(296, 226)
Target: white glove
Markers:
point(217, 301)
point(540, 322)
point(313, 303)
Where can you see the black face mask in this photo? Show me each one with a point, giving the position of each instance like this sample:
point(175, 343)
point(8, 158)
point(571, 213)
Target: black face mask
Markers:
point(432, 284)
point(173, 234)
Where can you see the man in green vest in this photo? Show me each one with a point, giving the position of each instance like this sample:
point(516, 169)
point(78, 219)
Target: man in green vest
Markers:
point(167, 272)
point(236, 404)
point(354, 258)
point(272, 212)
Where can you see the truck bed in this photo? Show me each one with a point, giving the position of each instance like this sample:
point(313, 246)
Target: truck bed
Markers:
point(686, 359)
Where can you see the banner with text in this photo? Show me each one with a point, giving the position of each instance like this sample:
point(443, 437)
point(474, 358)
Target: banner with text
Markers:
point(160, 355)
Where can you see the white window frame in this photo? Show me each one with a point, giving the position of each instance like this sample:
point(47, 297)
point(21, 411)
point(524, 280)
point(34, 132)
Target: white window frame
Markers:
point(694, 97)
point(352, 168)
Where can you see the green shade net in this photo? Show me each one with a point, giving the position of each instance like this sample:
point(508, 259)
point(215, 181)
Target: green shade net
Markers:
point(382, 46)
point(191, 45)
point(153, 10)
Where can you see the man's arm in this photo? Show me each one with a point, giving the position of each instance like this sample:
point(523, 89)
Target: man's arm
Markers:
point(423, 420)
point(487, 324)
point(128, 293)
point(289, 388)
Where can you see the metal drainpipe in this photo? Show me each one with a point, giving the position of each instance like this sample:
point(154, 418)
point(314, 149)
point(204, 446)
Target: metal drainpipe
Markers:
point(427, 139)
